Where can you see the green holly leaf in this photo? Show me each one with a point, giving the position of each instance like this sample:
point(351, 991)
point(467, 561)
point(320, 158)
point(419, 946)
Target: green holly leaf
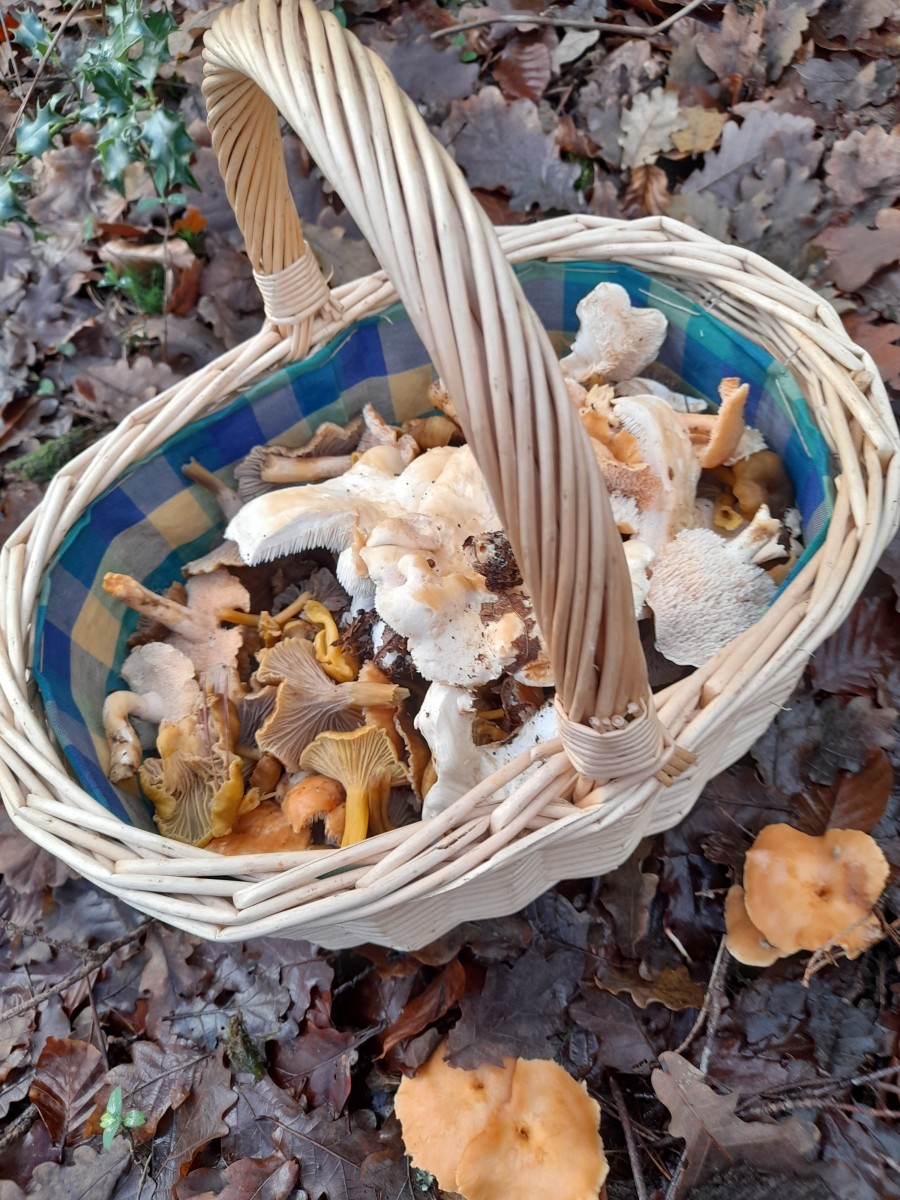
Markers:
point(34, 137)
point(31, 32)
point(117, 148)
point(169, 148)
point(154, 48)
point(10, 206)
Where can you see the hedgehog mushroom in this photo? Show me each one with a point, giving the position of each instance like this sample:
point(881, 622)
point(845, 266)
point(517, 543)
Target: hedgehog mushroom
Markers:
point(263, 830)
point(163, 687)
point(614, 341)
point(365, 764)
point(543, 1141)
point(807, 893)
point(446, 720)
point(705, 590)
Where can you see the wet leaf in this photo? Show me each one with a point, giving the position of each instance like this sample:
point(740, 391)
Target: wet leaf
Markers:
point(623, 1044)
point(881, 341)
point(89, 1176)
point(194, 1123)
point(856, 801)
point(714, 1136)
point(442, 994)
point(318, 1063)
point(519, 1010)
point(155, 1081)
point(68, 1076)
point(844, 1035)
point(271, 1178)
point(673, 988)
point(524, 67)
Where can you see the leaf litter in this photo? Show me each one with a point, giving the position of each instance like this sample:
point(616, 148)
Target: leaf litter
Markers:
point(269, 1069)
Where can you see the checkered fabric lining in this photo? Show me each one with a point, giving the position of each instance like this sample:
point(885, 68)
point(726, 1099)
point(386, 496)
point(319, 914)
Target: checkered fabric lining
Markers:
point(150, 524)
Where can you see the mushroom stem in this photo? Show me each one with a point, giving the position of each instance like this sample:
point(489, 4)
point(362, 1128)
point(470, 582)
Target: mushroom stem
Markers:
point(233, 617)
point(126, 753)
point(279, 469)
point(226, 498)
point(356, 824)
point(177, 617)
point(336, 662)
point(295, 607)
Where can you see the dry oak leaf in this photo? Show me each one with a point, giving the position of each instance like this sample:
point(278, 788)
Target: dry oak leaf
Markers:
point(647, 191)
point(156, 1080)
point(714, 1136)
point(700, 129)
point(865, 166)
point(194, 1123)
point(855, 253)
point(853, 19)
point(91, 1175)
point(881, 342)
point(734, 48)
point(503, 145)
point(271, 1178)
point(647, 127)
point(783, 29)
point(69, 1074)
point(844, 82)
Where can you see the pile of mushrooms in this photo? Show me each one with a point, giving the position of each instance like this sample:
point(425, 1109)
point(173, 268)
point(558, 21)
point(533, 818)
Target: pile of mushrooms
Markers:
point(512, 1132)
point(805, 893)
point(361, 649)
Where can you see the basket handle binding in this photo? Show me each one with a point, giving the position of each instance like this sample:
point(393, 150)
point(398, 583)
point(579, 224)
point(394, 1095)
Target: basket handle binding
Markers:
point(439, 250)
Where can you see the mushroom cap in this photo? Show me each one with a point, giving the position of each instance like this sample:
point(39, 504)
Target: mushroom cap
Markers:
point(742, 939)
point(354, 758)
point(804, 892)
point(328, 440)
point(703, 595)
point(442, 1108)
point(543, 1141)
point(315, 798)
point(264, 830)
point(161, 668)
point(513, 1132)
point(614, 340)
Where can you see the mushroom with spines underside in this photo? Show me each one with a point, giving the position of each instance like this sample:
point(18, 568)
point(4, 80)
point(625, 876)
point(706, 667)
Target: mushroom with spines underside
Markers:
point(365, 764)
point(308, 702)
point(162, 685)
point(706, 590)
point(811, 893)
point(523, 1129)
point(615, 340)
point(327, 454)
point(194, 628)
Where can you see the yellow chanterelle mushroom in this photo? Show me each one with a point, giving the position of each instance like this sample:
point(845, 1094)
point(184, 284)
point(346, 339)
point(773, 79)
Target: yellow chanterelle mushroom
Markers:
point(365, 763)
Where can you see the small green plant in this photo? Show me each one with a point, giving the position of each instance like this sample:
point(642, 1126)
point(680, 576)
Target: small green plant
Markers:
point(144, 287)
point(114, 1119)
point(112, 86)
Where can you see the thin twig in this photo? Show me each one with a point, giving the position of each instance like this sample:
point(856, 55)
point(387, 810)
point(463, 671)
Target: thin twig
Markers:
point(819, 1088)
point(821, 1103)
point(39, 72)
point(7, 33)
point(527, 18)
point(20, 1125)
point(711, 987)
point(83, 952)
point(634, 1157)
point(97, 959)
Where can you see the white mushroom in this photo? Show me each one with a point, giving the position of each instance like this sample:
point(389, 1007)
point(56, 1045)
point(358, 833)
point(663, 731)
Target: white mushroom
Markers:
point(446, 721)
point(163, 687)
point(704, 590)
point(614, 341)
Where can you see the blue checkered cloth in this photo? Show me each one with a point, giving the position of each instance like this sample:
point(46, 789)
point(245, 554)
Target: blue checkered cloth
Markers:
point(152, 521)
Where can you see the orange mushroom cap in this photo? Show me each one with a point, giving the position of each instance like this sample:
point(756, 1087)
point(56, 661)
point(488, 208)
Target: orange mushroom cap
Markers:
point(742, 939)
point(805, 893)
point(514, 1132)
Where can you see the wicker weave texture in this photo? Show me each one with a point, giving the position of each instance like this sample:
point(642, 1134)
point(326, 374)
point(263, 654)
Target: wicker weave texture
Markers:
point(451, 270)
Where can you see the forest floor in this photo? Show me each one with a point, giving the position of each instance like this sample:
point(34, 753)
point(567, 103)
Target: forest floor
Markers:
point(268, 1069)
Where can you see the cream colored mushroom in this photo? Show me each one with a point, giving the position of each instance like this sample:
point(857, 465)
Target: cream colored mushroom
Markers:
point(615, 340)
point(717, 436)
point(704, 591)
point(446, 720)
point(163, 687)
point(195, 628)
point(365, 764)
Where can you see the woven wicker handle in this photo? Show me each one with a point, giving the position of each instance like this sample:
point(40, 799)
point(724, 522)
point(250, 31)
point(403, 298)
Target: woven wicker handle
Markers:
point(412, 204)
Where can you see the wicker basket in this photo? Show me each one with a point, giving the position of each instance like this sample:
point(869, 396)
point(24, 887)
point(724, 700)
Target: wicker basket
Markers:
point(451, 270)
